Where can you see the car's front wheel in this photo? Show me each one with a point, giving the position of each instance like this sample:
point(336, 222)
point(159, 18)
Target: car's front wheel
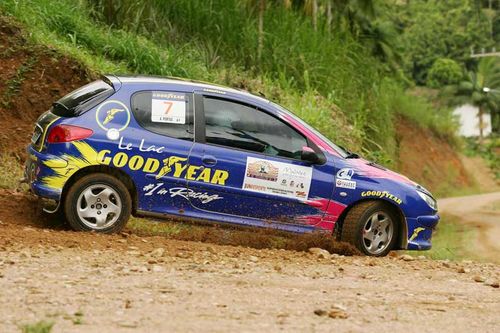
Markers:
point(371, 227)
point(98, 202)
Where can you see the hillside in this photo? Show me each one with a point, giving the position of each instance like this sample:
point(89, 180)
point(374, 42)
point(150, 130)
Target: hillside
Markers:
point(35, 73)
point(324, 76)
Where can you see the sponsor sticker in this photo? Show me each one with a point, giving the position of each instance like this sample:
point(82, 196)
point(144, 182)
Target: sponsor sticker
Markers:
point(159, 189)
point(172, 166)
point(113, 117)
point(345, 173)
point(277, 178)
point(168, 108)
point(382, 194)
point(415, 233)
point(350, 184)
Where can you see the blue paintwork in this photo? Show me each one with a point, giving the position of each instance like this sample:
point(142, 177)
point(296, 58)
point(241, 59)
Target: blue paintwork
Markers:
point(325, 204)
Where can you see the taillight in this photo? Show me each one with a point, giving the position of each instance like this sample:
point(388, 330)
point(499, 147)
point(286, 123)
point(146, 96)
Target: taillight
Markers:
point(68, 133)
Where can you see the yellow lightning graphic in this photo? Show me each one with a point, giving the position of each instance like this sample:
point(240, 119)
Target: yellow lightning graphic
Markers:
point(167, 165)
point(416, 231)
point(111, 114)
point(66, 165)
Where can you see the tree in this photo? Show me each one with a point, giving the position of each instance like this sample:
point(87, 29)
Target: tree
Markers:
point(444, 72)
point(480, 88)
point(440, 29)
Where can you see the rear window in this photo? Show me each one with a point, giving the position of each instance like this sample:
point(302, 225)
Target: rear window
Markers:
point(82, 99)
point(165, 112)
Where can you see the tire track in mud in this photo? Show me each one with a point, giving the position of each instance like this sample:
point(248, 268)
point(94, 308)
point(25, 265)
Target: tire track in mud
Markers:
point(21, 210)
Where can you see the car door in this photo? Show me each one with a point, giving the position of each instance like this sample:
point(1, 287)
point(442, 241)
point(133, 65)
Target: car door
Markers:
point(163, 140)
point(250, 165)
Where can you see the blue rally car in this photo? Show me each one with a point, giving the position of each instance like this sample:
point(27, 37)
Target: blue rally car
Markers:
point(163, 147)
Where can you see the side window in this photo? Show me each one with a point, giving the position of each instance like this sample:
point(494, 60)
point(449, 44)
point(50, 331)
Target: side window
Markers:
point(236, 125)
point(165, 113)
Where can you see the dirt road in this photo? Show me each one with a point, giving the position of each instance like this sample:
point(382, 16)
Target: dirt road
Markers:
point(482, 212)
point(94, 283)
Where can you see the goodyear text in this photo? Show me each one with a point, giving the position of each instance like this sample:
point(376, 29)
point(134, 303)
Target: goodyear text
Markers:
point(382, 194)
point(175, 166)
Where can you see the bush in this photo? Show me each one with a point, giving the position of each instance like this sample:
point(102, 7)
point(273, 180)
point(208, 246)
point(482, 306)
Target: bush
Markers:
point(444, 72)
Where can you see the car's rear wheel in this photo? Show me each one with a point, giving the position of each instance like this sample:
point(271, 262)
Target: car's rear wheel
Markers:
point(371, 227)
point(98, 202)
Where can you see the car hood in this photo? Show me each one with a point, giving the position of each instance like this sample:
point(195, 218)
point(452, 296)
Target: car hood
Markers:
point(371, 169)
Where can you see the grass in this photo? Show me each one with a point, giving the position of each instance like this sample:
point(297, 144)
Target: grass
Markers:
point(328, 80)
point(488, 150)
point(452, 240)
point(420, 110)
point(13, 85)
point(76, 318)
point(38, 327)
point(10, 171)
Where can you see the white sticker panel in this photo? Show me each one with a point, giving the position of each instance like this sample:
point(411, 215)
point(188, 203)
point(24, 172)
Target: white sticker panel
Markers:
point(168, 108)
point(344, 183)
point(276, 178)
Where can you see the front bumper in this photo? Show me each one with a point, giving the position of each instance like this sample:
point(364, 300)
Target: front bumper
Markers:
point(420, 231)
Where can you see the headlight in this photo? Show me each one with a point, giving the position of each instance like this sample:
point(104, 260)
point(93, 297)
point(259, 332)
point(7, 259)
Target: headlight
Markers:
point(427, 198)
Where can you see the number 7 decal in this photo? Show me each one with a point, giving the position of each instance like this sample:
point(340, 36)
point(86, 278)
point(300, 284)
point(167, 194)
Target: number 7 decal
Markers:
point(168, 106)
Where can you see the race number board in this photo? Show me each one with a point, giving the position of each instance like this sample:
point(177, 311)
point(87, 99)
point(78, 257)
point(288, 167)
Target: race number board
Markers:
point(168, 108)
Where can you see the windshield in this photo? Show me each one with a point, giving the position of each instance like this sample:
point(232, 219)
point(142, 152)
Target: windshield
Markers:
point(338, 149)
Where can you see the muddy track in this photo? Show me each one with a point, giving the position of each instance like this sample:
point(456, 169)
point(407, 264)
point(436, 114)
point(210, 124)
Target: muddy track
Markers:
point(86, 282)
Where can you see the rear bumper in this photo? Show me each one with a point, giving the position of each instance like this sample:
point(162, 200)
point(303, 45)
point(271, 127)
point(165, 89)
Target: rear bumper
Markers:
point(33, 171)
point(420, 231)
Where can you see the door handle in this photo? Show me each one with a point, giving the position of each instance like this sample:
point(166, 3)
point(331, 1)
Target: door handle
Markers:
point(209, 160)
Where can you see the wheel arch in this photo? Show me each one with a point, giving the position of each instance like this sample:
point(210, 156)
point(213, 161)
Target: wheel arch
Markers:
point(402, 241)
point(115, 172)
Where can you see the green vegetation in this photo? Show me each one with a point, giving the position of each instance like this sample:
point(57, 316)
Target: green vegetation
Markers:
point(437, 39)
point(451, 240)
point(489, 150)
point(444, 72)
point(436, 29)
point(38, 327)
point(343, 66)
point(480, 88)
point(349, 78)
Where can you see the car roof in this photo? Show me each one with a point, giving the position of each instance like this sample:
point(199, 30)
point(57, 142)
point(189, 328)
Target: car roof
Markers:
point(200, 85)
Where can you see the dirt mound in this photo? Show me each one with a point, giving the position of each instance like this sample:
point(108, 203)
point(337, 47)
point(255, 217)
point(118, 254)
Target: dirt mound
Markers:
point(428, 159)
point(31, 79)
point(19, 208)
point(22, 210)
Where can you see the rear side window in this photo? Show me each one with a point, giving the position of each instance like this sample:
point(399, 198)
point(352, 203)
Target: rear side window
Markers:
point(82, 99)
point(166, 113)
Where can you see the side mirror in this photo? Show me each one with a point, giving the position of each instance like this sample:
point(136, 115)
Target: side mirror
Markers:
point(309, 155)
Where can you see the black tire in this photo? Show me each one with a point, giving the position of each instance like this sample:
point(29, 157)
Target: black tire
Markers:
point(357, 221)
point(120, 197)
